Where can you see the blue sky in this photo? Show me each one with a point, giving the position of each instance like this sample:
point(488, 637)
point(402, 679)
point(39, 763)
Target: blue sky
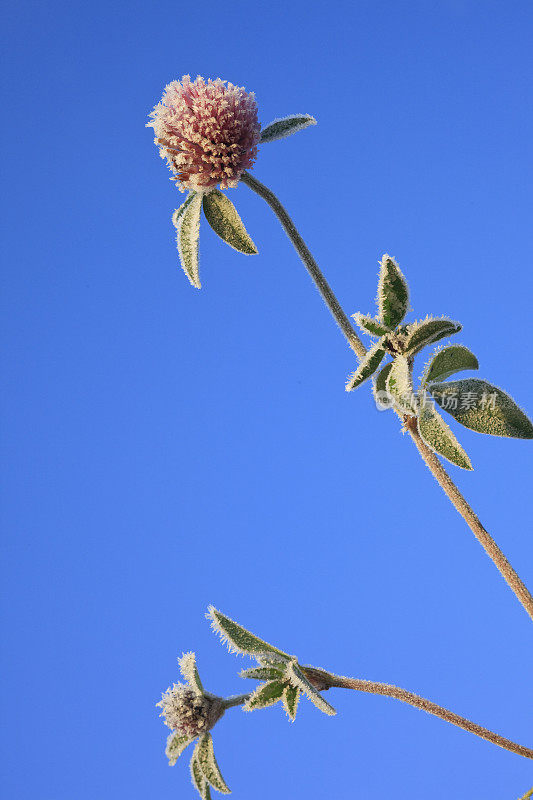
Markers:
point(166, 448)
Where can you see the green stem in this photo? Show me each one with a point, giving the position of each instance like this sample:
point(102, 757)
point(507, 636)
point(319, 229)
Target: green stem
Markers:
point(235, 700)
point(431, 461)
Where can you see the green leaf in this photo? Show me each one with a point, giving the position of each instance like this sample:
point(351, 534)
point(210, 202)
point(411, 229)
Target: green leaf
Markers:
point(399, 385)
point(427, 332)
point(393, 293)
point(238, 639)
point(371, 325)
point(367, 367)
point(266, 695)
point(447, 361)
point(225, 221)
point(286, 126)
point(189, 670)
point(298, 679)
point(176, 744)
point(197, 776)
point(381, 394)
point(482, 407)
point(262, 673)
point(206, 758)
point(291, 695)
point(439, 438)
point(272, 660)
point(187, 222)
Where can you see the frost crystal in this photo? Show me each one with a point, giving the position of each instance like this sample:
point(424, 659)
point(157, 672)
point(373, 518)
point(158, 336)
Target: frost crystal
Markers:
point(208, 132)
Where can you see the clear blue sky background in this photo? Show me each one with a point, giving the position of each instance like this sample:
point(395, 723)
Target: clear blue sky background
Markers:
point(166, 448)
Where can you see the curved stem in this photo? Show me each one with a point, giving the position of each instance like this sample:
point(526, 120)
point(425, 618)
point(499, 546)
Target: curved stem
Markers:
point(371, 687)
point(312, 267)
point(436, 468)
point(472, 520)
point(323, 680)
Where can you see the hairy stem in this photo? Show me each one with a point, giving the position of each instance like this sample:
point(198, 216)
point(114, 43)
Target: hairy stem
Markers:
point(432, 462)
point(323, 680)
point(371, 687)
point(483, 536)
point(309, 262)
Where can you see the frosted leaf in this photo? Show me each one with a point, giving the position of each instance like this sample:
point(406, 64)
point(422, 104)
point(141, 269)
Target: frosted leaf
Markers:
point(367, 367)
point(273, 660)
point(482, 407)
point(205, 755)
point(226, 222)
point(176, 744)
point(379, 389)
point(266, 695)
point(189, 670)
point(400, 387)
point(371, 325)
point(291, 696)
point(286, 126)
point(298, 679)
point(262, 673)
point(447, 361)
point(393, 293)
point(198, 780)
point(237, 638)
point(428, 331)
point(439, 438)
point(187, 222)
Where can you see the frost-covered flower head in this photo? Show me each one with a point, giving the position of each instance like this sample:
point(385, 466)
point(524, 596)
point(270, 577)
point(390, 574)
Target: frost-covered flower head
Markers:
point(208, 132)
point(186, 708)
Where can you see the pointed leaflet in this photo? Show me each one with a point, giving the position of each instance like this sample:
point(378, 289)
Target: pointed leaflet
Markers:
point(291, 696)
point(393, 293)
point(370, 325)
point(439, 438)
point(238, 639)
point(367, 367)
point(223, 217)
point(286, 126)
point(189, 670)
point(399, 385)
point(447, 361)
point(298, 679)
point(266, 695)
point(379, 389)
point(482, 407)
point(176, 744)
point(187, 222)
point(428, 331)
point(262, 673)
point(206, 758)
point(198, 780)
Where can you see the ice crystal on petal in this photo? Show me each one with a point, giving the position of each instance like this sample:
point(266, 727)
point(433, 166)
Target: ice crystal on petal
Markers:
point(207, 131)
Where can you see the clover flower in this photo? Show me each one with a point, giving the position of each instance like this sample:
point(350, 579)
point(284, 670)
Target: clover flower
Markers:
point(184, 710)
point(190, 712)
point(208, 132)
